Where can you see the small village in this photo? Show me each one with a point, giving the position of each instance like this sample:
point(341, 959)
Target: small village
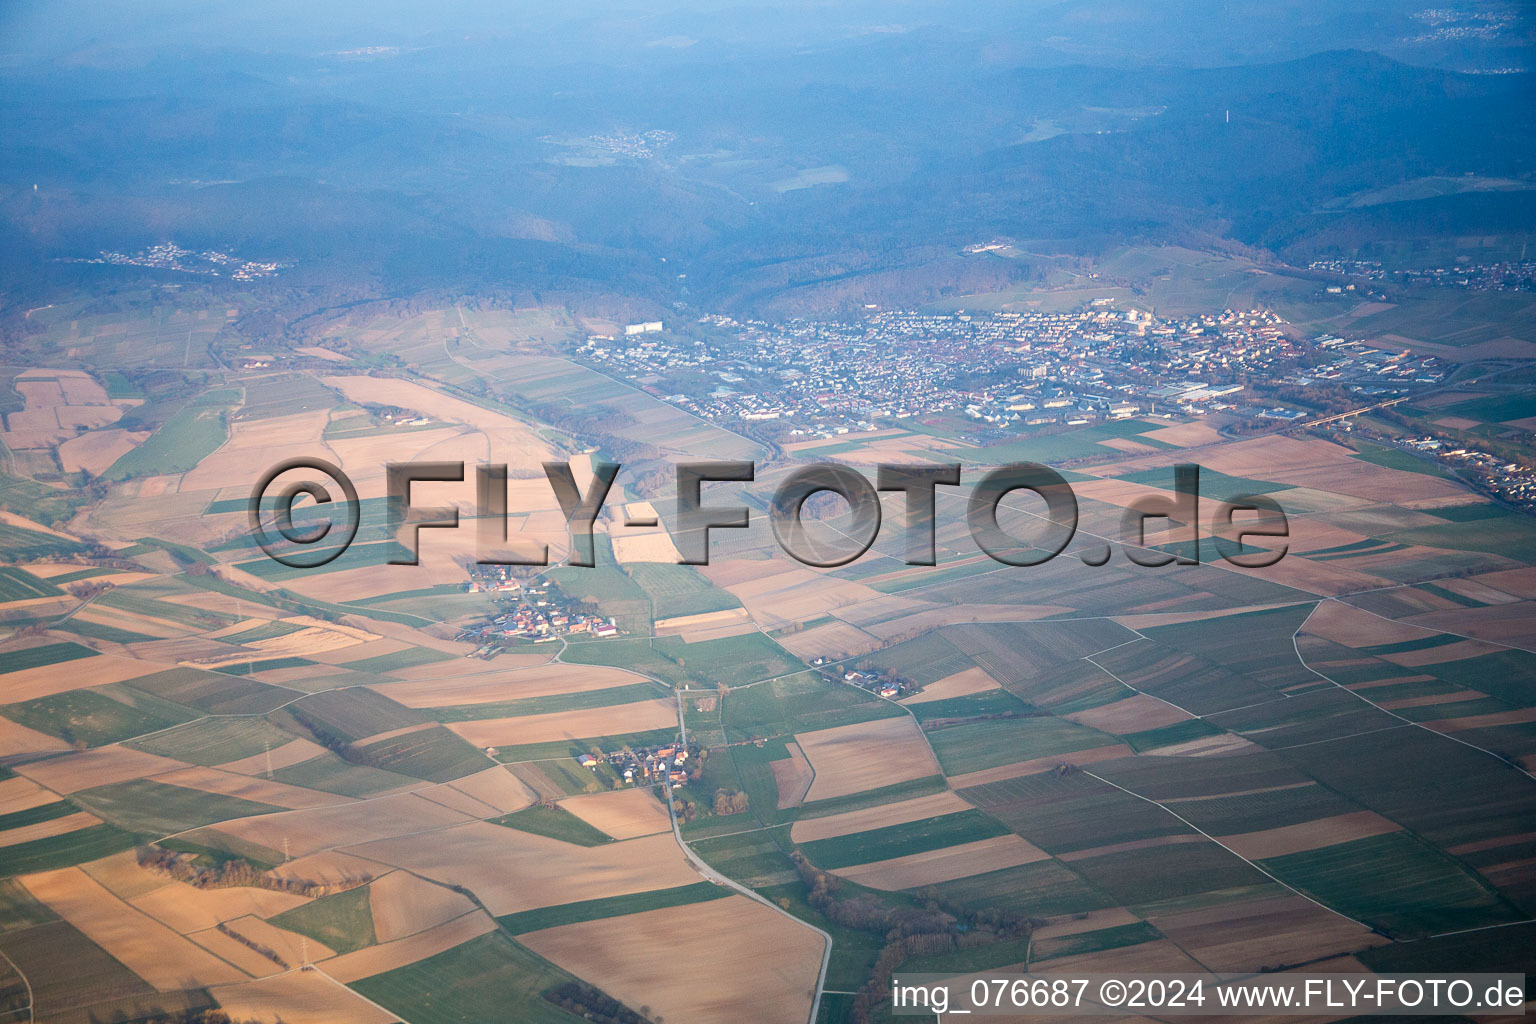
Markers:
point(543, 613)
point(643, 766)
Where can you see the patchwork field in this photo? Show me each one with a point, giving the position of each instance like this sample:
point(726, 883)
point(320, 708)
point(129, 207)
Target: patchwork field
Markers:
point(1198, 768)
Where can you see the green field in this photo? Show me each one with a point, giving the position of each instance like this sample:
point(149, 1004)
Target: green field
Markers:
point(927, 659)
point(408, 658)
point(1396, 882)
point(434, 754)
point(555, 823)
point(213, 692)
point(19, 542)
point(98, 716)
point(678, 590)
point(77, 847)
point(1396, 458)
point(181, 442)
point(19, 585)
point(341, 920)
point(47, 654)
point(154, 808)
point(1167, 874)
point(330, 774)
point(581, 700)
point(1043, 889)
point(213, 741)
point(733, 661)
point(489, 978)
point(972, 746)
point(1065, 814)
point(34, 815)
point(612, 906)
point(911, 837)
point(354, 713)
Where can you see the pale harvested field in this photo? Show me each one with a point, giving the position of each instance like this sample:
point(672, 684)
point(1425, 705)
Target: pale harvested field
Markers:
point(329, 867)
point(643, 547)
point(1157, 957)
point(1440, 655)
point(1430, 700)
point(511, 442)
point(323, 828)
point(371, 649)
point(1513, 624)
point(1185, 435)
point(1039, 764)
point(811, 829)
point(236, 952)
point(1125, 444)
point(1328, 467)
point(968, 681)
point(1478, 591)
point(289, 754)
point(47, 680)
point(949, 615)
point(1133, 714)
point(459, 801)
point(365, 963)
point(496, 787)
point(1309, 835)
point(762, 965)
point(322, 353)
point(121, 874)
point(1181, 839)
point(835, 640)
point(1353, 627)
point(47, 829)
point(187, 908)
point(1518, 582)
point(796, 595)
point(403, 904)
point(20, 794)
point(792, 777)
point(291, 946)
point(565, 725)
point(701, 620)
point(451, 686)
point(96, 450)
point(1252, 934)
point(246, 787)
point(853, 758)
point(1516, 717)
point(512, 871)
point(16, 738)
point(1077, 924)
point(623, 814)
point(145, 946)
point(918, 869)
point(100, 767)
point(1225, 745)
point(255, 443)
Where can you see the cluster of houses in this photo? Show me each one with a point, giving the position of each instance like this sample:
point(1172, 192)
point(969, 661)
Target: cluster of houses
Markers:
point(543, 612)
point(645, 765)
point(875, 680)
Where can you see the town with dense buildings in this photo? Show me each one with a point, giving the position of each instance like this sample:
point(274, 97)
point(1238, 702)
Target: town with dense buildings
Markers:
point(1005, 372)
